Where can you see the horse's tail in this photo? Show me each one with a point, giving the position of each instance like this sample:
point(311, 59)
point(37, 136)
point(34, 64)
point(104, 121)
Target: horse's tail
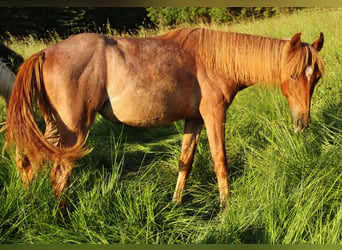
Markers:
point(22, 129)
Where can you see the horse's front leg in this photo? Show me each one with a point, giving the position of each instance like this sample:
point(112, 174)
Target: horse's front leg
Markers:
point(214, 116)
point(192, 130)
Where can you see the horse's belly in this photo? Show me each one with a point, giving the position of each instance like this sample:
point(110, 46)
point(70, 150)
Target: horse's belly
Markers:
point(148, 111)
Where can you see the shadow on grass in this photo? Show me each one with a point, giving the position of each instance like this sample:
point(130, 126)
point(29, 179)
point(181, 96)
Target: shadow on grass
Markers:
point(136, 145)
point(139, 150)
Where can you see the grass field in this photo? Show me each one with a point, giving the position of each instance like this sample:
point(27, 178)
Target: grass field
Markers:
point(286, 187)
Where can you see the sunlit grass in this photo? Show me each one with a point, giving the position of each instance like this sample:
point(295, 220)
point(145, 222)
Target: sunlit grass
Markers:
point(286, 187)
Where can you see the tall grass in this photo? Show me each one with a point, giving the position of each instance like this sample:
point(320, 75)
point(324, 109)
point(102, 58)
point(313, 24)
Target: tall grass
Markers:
point(286, 187)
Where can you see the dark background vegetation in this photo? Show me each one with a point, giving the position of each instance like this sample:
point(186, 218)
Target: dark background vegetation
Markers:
point(41, 22)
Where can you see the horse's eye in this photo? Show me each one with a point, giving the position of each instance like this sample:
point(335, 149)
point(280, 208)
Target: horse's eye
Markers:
point(293, 78)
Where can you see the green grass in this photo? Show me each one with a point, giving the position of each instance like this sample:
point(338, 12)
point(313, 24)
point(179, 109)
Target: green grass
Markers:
point(286, 187)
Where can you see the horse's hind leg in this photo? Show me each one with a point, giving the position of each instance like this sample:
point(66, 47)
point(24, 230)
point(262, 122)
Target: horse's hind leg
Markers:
point(25, 169)
point(192, 130)
point(61, 171)
point(60, 179)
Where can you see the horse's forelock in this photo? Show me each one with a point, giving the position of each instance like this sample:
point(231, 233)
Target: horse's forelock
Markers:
point(296, 62)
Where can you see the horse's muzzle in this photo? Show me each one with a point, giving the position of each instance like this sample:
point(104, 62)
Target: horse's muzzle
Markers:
point(300, 124)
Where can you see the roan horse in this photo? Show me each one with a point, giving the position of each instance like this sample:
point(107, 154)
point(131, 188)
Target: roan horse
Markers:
point(190, 73)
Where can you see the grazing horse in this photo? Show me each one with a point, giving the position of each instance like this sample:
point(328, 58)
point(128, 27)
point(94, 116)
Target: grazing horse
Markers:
point(7, 78)
point(10, 57)
point(190, 73)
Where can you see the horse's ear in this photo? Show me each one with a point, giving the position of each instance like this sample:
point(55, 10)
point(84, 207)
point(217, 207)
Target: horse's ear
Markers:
point(295, 41)
point(318, 44)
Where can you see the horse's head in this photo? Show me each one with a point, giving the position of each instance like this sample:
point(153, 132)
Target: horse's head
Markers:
point(303, 68)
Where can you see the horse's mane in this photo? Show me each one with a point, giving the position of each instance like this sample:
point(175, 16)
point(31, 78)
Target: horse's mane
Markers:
point(7, 78)
point(254, 59)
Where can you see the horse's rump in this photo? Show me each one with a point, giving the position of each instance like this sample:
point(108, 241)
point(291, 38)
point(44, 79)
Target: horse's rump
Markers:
point(22, 129)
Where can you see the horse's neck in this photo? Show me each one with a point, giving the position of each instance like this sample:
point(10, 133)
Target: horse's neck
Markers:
point(242, 58)
point(266, 70)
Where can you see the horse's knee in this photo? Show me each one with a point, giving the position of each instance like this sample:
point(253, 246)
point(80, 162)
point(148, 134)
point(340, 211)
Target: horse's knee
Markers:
point(26, 170)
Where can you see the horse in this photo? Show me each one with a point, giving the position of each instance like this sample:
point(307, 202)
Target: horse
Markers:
point(188, 73)
point(7, 78)
point(10, 57)
point(9, 63)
